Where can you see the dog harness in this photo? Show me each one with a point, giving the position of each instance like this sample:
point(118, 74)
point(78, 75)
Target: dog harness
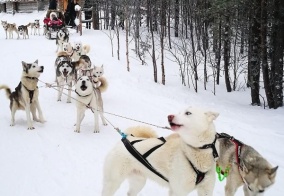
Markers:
point(237, 143)
point(31, 92)
point(142, 158)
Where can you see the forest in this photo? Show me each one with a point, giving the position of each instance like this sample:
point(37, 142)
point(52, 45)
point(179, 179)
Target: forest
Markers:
point(237, 41)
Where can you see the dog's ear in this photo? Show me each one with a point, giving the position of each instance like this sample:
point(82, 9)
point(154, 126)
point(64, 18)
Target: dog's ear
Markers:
point(102, 65)
point(272, 172)
point(25, 66)
point(36, 61)
point(211, 115)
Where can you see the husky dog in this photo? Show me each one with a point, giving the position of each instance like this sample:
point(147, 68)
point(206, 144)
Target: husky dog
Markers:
point(9, 28)
point(246, 167)
point(98, 80)
point(87, 98)
point(79, 49)
point(183, 161)
point(67, 47)
point(61, 36)
point(65, 74)
point(84, 66)
point(23, 30)
point(25, 96)
point(35, 26)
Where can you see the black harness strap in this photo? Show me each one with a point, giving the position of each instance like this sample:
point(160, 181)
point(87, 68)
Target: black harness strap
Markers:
point(141, 158)
point(215, 153)
point(200, 175)
point(31, 93)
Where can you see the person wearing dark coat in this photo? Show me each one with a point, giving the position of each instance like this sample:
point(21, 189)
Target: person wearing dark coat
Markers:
point(52, 4)
point(70, 13)
point(88, 14)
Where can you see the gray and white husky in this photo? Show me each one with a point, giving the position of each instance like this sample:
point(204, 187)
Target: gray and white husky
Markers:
point(35, 27)
point(9, 28)
point(65, 74)
point(25, 96)
point(246, 167)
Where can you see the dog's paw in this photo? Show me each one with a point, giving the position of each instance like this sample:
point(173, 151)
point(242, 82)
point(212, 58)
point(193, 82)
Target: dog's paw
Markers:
point(31, 128)
point(68, 101)
point(77, 131)
point(58, 99)
point(97, 131)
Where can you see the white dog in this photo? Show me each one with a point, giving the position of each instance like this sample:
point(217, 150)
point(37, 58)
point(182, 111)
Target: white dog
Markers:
point(79, 49)
point(87, 97)
point(183, 161)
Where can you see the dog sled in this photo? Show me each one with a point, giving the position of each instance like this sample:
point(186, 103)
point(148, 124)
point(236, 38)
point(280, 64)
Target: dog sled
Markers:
point(53, 21)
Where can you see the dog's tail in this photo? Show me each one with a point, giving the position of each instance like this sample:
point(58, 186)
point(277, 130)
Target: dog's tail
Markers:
point(7, 89)
point(103, 84)
point(86, 49)
point(141, 131)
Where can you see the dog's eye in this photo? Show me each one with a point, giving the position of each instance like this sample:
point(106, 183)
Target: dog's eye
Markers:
point(187, 113)
point(261, 191)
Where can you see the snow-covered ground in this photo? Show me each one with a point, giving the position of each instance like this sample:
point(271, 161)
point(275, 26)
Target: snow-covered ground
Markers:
point(54, 160)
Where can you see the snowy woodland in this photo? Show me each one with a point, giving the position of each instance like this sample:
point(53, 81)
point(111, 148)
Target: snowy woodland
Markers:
point(152, 72)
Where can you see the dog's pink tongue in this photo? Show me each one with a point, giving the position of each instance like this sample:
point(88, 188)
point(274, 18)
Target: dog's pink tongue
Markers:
point(175, 127)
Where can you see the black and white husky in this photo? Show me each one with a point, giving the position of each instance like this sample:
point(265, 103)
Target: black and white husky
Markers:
point(23, 31)
point(61, 36)
point(25, 96)
point(65, 74)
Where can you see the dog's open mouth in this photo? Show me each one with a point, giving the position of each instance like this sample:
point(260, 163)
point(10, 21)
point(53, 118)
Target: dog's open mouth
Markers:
point(65, 73)
point(174, 126)
point(83, 87)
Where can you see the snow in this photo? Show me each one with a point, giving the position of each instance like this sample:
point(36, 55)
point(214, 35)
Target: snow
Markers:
point(54, 160)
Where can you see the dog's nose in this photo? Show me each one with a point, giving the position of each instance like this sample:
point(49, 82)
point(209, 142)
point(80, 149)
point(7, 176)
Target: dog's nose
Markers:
point(83, 82)
point(170, 118)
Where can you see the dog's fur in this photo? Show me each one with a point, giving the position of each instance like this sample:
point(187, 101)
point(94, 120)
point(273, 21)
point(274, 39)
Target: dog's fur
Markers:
point(23, 30)
point(61, 36)
point(9, 29)
point(193, 128)
point(25, 96)
point(65, 74)
point(253, 171)
point(98, 80)
point(87, 97)
point(79, 49)
point(35, 27)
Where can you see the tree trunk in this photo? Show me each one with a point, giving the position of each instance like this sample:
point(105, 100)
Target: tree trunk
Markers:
point(254, 59)
point(265, 69)
point(227, 48)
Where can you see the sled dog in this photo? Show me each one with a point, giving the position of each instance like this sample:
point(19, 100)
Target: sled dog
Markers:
point(25, 96)
point(9, 29)
point(83, 66)
point(61, 36)
point(87, 98)
point(65, 74)
point(79, 49)
point(98, 80)
point(183, 161)
point(23, 30)
point(246, 167)
point(35, 27)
